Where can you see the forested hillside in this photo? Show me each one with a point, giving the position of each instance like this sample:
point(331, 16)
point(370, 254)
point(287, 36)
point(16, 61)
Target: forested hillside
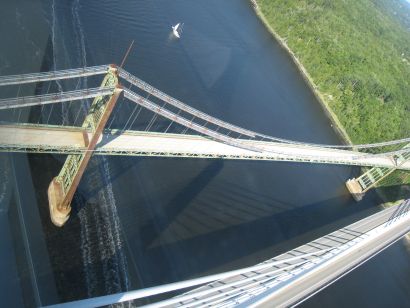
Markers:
point(358, 55)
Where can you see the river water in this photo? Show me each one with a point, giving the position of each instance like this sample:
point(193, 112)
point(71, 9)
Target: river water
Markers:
point(139, 222)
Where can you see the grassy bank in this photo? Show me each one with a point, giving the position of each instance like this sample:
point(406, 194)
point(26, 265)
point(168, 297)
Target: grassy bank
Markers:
point(356, 56)
point(329, 112)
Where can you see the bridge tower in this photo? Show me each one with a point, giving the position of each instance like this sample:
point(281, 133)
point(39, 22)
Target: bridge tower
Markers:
point(63, 186)
point(360, 185)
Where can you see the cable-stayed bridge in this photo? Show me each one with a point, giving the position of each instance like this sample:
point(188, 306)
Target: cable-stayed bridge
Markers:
point(282, 281)
point(156, 124)
point(61, 121)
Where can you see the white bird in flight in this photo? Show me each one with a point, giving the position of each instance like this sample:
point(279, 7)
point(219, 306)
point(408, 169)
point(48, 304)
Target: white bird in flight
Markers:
point(176, 30)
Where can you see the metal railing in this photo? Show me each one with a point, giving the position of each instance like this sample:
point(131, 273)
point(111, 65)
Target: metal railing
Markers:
point(44, 99)
point(54, 75)
point(245, 285)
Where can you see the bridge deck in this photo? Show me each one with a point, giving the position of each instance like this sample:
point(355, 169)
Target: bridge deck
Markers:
point(353, 244)
point(42, 136)
point(285, 280)
point(73, 140)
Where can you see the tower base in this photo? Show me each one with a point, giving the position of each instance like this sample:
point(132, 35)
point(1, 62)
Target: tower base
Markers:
point(355, 189)
point(55, 197)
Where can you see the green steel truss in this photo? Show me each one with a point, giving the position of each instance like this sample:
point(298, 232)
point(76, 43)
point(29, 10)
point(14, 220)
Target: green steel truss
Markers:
point(97, 109)
point(374, 175)
point(72, 150)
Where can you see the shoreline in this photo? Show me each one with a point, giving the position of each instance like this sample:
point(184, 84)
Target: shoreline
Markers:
point(336, 125)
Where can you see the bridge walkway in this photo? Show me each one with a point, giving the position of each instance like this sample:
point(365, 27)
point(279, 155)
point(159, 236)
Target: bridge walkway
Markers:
point(73, 140)
point(326, 259)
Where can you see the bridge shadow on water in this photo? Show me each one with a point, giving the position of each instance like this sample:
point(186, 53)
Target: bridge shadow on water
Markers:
point(222, 247)
point(153, 228)
point(87, 253)
point(206, 228)
point(87, 192)
point(200, 229)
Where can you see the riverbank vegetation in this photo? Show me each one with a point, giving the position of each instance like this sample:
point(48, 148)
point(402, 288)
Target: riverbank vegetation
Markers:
point(357, 54)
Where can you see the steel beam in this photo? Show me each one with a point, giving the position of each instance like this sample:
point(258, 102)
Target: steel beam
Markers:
point(27, 101)
point(55, 75)
point(368, 180)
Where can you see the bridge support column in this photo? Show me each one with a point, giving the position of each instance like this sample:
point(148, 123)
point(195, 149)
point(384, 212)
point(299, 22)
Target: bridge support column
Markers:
point(360, 185)
point(63, 187)
point(355, 189)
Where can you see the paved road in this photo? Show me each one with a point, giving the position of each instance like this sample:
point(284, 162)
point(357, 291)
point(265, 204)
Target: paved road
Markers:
point(292, 281)
point(307, 285)
point(54, 139)
point(287, 279)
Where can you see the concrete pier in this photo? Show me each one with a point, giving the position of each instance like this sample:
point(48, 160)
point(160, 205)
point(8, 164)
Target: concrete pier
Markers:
point(55, 197)
point(355, 189)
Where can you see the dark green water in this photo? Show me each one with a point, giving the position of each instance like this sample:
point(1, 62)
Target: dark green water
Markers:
point(139, 222)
